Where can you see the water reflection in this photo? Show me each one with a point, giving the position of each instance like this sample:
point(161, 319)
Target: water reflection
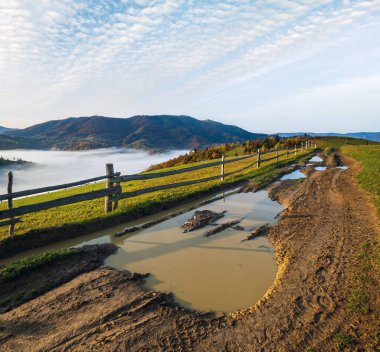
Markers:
point(316, 159)
point(295, 175)
point(219, 272)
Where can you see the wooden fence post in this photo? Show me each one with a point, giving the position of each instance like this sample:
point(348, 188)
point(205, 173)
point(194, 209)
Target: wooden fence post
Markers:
point(109, 184)
point(116, 202)
point(10, 202)
point(258, 158)
point(222, 170)
point(295, 149)
point(276, 155)
point(287, 152)
point(301, 145)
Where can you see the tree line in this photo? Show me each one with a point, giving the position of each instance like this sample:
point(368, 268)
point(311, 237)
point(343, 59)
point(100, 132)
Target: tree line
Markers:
point(229, 149)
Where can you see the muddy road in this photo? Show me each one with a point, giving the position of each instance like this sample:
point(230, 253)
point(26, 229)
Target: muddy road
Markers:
point(327, 217)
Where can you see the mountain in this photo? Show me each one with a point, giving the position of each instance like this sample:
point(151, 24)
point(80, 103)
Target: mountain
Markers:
point(11, 142)
point(371, 136)
point(160, 132)
point(6, 129)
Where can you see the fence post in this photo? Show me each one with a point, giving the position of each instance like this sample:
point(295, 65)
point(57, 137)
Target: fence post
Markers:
point(116, 202)
point(315, 144)
point(107, 199)
point(10, 202)
point(302, 145)
point(222, 170)
point(258, 158)
point(307, 145)
point(295, 149)
point(276, 155)
point(287, 152)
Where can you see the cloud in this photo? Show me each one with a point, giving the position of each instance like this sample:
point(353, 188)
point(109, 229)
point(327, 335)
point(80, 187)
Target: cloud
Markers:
point(73, 57)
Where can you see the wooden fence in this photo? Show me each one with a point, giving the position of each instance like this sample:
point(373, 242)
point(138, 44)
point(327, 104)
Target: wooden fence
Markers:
point(113, 191)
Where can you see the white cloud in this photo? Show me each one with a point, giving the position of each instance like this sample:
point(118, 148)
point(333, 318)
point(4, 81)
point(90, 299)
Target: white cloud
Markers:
point(66, 57)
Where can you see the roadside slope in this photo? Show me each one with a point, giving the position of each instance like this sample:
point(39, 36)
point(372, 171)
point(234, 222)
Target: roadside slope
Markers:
point(317, 241)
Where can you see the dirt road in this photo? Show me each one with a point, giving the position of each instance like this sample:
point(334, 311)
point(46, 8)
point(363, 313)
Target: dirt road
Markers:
point(327, 218)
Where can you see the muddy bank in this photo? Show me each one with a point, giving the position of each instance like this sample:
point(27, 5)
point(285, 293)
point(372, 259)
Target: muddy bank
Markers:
point(105, 310)
point(36, 282)
point(316, 241)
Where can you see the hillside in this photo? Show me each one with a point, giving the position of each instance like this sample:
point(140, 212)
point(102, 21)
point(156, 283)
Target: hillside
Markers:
point(141, 132)
point(6, 129)
point(14, 142)
point(371, 136)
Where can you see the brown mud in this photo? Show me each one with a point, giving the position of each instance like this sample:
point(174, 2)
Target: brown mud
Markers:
point(316, 241)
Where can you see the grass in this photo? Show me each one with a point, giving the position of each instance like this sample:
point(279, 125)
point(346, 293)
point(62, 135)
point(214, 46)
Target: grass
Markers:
point(368, 258)
point(343, 340)
point(369, 158)
point(89, 211)
point(27, 265)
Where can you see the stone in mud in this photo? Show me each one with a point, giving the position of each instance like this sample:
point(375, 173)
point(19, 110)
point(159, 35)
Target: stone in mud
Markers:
point(261, 231)
point(201, 219)
point(222, 227)
point(238, 228)
point(126, 230)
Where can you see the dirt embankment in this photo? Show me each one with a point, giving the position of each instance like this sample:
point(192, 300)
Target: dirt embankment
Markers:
point(316, 240)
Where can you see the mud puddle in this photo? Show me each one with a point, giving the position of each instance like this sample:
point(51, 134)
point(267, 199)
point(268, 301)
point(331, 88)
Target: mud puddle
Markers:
point(316, 159)
point(219, 272)
point(107, 235)
point(320, 168)
point(295, 175)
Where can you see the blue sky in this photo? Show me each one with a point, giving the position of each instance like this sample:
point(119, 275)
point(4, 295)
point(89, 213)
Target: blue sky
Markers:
point(267, 66)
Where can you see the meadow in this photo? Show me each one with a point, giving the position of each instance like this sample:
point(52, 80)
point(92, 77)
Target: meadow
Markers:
point(89, 211)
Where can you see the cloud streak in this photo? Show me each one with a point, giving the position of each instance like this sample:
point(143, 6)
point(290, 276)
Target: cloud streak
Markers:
point(60, 58)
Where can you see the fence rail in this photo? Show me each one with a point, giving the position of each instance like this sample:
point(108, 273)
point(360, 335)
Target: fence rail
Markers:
point(113, 191)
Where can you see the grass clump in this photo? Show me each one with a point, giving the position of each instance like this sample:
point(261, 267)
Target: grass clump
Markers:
point(343, 340)
point(27, 265)
point(358, 301)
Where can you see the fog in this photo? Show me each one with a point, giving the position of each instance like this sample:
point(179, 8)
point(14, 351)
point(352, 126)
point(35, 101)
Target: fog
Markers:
point(55, 167)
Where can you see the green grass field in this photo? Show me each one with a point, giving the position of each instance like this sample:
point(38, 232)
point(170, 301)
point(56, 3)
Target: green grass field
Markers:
point(85, 212)
point(369, 175)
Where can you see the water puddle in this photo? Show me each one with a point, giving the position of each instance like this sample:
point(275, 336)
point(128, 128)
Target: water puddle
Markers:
point(342, 167)
point(320, 168)
point(220, 272)
point(316, 159)
point(295, 175)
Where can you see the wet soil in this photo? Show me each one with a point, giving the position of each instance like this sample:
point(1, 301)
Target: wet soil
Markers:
point(316, 241)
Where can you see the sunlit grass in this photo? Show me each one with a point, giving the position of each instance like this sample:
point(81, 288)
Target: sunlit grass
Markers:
point(369, 158)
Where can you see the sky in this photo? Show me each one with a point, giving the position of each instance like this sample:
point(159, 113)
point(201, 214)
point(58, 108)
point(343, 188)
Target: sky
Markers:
point(266, 66)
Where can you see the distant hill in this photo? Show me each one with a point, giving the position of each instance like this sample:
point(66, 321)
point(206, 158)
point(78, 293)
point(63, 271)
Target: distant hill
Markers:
point(11, 142)
point(6, 129)
point(371, 136)
point(160, 132)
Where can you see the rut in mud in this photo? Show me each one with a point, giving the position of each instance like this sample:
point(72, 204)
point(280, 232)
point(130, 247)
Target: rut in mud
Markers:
point(316, 241)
